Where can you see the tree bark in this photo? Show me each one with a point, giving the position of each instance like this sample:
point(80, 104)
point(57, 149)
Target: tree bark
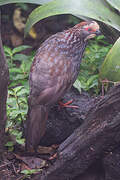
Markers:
point(99, 133)
point(111, 164)
point(4, 77)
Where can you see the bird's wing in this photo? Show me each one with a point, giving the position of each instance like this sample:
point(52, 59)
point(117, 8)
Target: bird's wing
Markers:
point(49, 73)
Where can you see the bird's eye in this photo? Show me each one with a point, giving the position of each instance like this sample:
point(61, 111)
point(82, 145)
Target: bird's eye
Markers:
point(89, 29)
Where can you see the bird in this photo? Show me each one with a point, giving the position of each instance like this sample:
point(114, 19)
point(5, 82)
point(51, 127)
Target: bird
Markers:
point(55, 68)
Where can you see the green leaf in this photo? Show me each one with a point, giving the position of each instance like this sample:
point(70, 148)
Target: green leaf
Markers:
point(110, 69)
point(14, 114)
point(20, 48)
point(17, 82)
point(98, 10)
point(114, 3)
point(19, 111)
point(20, 57)
point(18, 77)
point(17, 89)
point(23, 101)
point(77, 85)
point(22, 91)
point(15, 70)
point(8, 51)
point(11, 101)
point(9, 144)
point(9, 124)
point(92, 80)
point(11, 92)
point(20, 141)
point(29, 172)
point(3, 2)
point(16, 133)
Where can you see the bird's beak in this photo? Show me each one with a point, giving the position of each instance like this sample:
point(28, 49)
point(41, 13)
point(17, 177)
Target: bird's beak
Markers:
point(90, 36)
point(96, 33)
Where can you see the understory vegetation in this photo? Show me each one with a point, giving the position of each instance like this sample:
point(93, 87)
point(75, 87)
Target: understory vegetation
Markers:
point(19, 66)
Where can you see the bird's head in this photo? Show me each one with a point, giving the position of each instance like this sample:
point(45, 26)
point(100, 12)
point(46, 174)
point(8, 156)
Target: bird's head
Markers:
point(88, 29)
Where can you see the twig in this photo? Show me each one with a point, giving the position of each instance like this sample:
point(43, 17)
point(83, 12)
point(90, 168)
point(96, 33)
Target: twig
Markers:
point(5, 164)
point(14, 169)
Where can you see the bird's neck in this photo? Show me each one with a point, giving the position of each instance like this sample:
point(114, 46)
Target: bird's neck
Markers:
point(76, 44)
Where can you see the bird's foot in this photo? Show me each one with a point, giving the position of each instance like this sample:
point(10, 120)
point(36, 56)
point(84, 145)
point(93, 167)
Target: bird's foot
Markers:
point(55, 154)
point(53, 157)
point(67, 104)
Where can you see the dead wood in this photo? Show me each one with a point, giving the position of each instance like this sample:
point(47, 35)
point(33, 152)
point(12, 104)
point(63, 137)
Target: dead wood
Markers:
point(100, 133)
point(111, 164)
point(63, 121)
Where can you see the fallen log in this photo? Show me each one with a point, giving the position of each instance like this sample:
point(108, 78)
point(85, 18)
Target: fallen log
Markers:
point(111, 164)
point(99, 133)
point(63, 121)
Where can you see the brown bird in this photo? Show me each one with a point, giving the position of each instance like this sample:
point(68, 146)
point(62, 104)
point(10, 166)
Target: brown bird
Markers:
point(53, 72)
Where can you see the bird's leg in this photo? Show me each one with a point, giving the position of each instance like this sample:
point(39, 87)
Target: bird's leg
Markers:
point(54, 155)
point(67, 104)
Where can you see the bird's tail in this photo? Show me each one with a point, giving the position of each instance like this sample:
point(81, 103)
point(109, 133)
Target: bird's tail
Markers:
point(35, 125)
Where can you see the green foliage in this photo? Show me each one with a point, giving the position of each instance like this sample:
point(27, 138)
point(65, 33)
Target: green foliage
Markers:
point(19, 66)
point(10, 145)
point(99, 10)
point(16, 111)
point(114, 3)
point(17, 101)
point(91, 63)
point(11, 53)
point(110, 69)
point(3, 2)
point(30, 172)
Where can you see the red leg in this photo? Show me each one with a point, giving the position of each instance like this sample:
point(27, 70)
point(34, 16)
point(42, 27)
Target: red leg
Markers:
point(53, 157)
point(67, 104)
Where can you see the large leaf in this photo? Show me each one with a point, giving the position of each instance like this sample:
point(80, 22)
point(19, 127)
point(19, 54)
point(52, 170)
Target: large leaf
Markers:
point(99, 10)
point(114, 3)
point(110, 69)
point(3, 2)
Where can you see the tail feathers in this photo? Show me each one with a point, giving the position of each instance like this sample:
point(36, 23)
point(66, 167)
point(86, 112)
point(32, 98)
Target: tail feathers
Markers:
point(35, 125)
